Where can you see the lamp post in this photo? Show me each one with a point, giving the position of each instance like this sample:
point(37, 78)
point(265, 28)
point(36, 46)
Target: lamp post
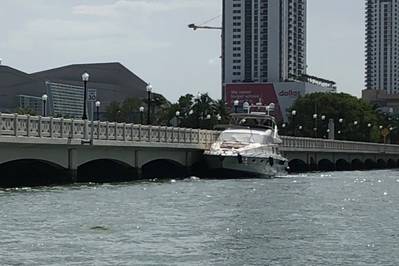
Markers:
point(293, 113)
point(369, 126)
point(85, 78)
point(300, 128)
point(98, 104)
point(236, 103)
point(149, 90)
point(44, 100)
point(323, 119)
point(340, 121)
point(178, 118)
point(315, 125)
point(141, 109)
point(283, 126)
point(219, 118)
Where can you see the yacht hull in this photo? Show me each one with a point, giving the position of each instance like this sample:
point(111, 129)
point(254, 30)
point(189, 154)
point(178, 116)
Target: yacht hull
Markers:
point(236, 166)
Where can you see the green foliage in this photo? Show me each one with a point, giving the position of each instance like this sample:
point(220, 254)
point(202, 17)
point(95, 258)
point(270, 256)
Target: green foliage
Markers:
point(195, 112)
point(335, 106)
point(26, 111)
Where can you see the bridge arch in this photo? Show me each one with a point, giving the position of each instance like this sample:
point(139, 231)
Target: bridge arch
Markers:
point(164, 168)
point(342, 165)
point(297, 166)
point(381, 164)
point(325, 165)
point(370, 164)
point(106, 170)
point(391, 163)
point(32, 172)
point(357, 164)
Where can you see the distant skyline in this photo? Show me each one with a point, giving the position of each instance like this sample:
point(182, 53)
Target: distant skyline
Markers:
point(151, 38)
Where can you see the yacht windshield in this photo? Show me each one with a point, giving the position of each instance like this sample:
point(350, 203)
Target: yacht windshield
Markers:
point(241, 137)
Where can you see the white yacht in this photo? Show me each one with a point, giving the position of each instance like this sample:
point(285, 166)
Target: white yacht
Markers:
point(249, 148)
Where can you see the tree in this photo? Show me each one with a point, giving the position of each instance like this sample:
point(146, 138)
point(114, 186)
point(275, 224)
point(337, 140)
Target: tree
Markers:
point(114, 112)
point(26, 111)
point(355, 114)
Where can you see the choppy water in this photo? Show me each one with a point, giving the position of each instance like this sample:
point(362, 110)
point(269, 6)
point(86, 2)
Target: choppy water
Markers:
point(342, 218)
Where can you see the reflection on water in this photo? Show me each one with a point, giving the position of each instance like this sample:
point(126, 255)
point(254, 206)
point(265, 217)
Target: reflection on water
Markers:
point(341, 218)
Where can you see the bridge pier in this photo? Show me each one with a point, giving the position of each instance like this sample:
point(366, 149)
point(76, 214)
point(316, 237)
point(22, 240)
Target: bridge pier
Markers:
point(73, 165)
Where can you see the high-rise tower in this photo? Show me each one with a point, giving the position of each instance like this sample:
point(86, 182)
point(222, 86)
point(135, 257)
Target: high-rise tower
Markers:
point(263, 40)
point(382, 45)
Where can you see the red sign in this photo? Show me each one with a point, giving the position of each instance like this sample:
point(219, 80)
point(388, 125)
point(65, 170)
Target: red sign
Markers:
point(252, 93)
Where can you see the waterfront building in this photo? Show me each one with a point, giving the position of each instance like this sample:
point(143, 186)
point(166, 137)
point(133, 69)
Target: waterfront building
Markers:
point(263, 40)
point(382, 45)
point(30, 103)
point(113, 83)
point(264, 53)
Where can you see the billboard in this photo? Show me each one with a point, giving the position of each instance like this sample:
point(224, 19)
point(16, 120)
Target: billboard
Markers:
point(282, 94)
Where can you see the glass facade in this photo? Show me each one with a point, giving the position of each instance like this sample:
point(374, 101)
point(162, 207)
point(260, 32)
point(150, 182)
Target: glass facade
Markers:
point(65, 100)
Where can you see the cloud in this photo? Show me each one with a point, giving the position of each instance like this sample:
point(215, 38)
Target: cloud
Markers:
point(138, 6)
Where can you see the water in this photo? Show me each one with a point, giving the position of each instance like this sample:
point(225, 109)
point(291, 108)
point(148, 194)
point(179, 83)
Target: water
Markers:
point(342, 218)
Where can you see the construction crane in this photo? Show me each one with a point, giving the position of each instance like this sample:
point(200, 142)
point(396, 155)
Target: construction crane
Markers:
point(202, 25)
point(195, 27)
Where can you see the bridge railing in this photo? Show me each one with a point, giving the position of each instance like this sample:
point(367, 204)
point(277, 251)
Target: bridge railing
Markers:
point(49, 127)
point(313, 144)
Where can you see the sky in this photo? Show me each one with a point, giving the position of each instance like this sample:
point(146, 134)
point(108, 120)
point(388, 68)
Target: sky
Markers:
point(151, 38)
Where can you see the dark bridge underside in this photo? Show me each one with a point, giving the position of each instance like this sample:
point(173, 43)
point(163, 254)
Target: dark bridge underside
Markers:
point(103, 171)
point(299, 166)
point(32, 173)
point(164, 169)
point(29, 172)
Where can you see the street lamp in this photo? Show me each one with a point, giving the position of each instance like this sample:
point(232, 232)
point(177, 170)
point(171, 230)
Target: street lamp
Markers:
point(149, 90)
point(178, 118)
point(98, 104)
point(141, 109)
point(236, 103)
point(369, 126)
point(44, 99)
point(85, 78)
point(315, 125)
point(300, 128)
point(219, 117)
point(293, 113)
point(340, 121)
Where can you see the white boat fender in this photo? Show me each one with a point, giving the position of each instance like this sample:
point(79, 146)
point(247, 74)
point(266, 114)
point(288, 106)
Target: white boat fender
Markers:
point(239, 158)
point(271, 161)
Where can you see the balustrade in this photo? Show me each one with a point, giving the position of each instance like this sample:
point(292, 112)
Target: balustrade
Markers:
point(326, 145)
point(48, 127)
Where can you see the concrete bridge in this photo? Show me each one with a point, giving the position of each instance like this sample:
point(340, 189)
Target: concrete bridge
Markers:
point(328, 155)
point(44, 150)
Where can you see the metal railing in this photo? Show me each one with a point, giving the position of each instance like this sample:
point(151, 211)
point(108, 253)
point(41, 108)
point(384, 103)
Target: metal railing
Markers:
point(321, 145)
point(49, 127)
